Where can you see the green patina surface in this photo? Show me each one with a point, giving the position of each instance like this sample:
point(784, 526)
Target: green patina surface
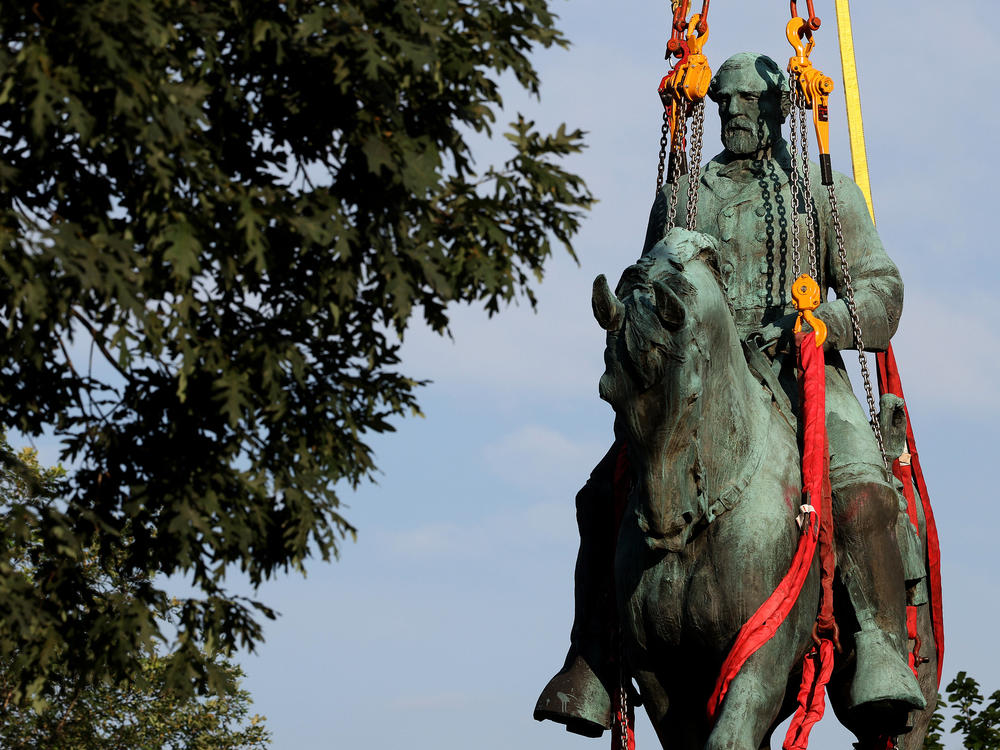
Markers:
point(709, 437)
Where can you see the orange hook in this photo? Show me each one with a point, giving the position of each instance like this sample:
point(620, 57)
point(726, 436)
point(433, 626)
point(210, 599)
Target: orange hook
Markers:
point(813, 86)
point(690, 78)
point(806, 296)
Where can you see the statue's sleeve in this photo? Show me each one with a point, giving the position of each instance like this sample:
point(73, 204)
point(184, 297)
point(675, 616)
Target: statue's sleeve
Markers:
point(878, 288)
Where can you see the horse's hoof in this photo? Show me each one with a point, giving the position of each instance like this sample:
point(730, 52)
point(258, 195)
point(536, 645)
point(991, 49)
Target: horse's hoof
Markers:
point(577, 698)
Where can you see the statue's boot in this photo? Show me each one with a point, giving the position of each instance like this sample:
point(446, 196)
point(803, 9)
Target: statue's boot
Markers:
point(576, 697)
point(579, 696)
point(884, 689)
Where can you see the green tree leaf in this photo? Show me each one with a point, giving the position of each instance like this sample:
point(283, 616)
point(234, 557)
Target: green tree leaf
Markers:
point(217, 220)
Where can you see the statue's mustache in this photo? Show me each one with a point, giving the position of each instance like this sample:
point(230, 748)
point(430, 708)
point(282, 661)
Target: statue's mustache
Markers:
point(740, 123)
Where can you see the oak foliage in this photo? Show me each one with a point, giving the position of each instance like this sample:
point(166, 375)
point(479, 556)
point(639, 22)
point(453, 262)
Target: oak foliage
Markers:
point(217, 218)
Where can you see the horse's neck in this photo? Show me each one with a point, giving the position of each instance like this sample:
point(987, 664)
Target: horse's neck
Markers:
point(735, 417)
point(713, 447)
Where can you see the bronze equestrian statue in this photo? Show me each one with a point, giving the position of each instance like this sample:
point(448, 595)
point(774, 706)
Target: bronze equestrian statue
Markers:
point(701, 374)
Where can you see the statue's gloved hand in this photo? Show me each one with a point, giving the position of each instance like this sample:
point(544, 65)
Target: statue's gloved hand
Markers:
point(778, 336)
point(838, 323)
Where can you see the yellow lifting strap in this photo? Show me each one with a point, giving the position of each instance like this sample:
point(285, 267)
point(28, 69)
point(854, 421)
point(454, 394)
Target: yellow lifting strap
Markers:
point(852, 95)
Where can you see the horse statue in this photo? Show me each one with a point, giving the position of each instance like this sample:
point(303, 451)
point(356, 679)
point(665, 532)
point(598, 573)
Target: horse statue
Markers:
point(709, 527)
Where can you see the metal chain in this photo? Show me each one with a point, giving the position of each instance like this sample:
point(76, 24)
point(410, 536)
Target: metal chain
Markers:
point(694, 164)
point(800, 152)
point(856, 325)
point(676, 151)
point(793, 126)
point(622, 695)
point(664, 142)
point(810, 201)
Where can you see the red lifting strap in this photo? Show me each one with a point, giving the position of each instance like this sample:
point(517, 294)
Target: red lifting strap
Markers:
point(889, 382)
point(773, 612)
point(818, 666)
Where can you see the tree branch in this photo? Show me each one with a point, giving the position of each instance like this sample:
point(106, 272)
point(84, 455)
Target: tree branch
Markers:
point(95, 337)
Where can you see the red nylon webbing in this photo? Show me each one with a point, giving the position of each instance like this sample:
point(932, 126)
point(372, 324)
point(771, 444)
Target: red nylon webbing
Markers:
point(816, 672)
point(818, 666)
point(768, 618)
point(889, 382)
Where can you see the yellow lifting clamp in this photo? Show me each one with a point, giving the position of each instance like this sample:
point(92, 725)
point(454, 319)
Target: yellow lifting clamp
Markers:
point(814, 88)
point(805, 295)
point(686, 84)
point(690, 79)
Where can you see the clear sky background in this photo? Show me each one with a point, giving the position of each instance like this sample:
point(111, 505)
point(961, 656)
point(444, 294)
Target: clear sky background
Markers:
point(440, 626)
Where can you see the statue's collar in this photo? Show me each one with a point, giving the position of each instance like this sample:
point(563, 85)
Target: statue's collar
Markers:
point(774, 168)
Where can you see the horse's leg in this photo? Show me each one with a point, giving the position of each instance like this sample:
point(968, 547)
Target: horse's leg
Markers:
point(756, 694)
point(788, 707)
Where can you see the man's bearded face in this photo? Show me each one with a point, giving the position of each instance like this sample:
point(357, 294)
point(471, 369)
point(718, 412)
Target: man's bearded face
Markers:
point(750, 112)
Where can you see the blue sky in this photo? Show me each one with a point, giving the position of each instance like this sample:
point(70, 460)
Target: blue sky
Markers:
point(438, 628)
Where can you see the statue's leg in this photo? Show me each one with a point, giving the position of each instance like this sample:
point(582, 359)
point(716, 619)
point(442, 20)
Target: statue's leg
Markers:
point(865, 504)
point(579, 694)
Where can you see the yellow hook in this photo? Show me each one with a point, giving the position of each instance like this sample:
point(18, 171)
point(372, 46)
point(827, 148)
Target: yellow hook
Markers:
point(814, 88)
point(695, 40)
point(806, 296)
point(795, 31)
point(692, 76)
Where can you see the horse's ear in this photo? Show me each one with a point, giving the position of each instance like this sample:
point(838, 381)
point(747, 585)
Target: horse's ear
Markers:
point(668, 306)
point(608, 309)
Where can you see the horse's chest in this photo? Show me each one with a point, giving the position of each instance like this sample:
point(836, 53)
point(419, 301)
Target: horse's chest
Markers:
point(679, 601)
point(682, 601)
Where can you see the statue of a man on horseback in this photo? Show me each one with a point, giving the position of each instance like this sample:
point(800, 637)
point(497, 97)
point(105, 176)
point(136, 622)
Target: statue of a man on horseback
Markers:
point(746, 208)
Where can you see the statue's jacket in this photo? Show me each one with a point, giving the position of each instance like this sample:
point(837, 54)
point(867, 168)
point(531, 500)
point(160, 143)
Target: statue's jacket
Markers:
point(747, 206)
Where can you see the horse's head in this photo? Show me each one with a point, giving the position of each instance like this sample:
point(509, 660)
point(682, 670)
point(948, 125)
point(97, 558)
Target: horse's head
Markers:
point(667, 319)
point(660, 321)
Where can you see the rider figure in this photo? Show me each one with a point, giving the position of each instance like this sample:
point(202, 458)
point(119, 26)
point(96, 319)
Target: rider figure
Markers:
point(745, 203)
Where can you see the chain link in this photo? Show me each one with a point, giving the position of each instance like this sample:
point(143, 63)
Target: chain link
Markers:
point(800, 157)
point(676, 154)
point(852, 308)
point(793, 126)
point(664, 142)
point(622, 695)
point(694, 164)
point(623, 716)
point(810, 201)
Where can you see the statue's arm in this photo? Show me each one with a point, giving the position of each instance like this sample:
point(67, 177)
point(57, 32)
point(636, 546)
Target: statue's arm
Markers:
point(878, 288)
